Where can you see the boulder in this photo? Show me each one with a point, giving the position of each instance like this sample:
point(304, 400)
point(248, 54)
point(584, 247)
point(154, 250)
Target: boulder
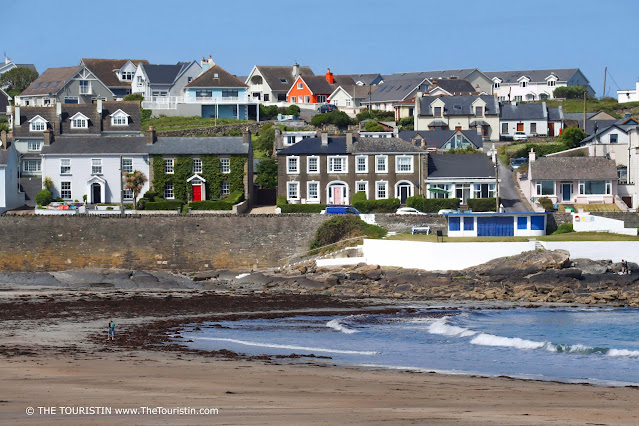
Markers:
point(307, 284)
point(206, 275)
point(523, 264)
point(592, 266)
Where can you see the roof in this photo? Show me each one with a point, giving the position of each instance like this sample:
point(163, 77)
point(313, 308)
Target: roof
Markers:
point(30, 66)
point(439, 138)
point(164, 74)
point(357, 92)
point(97, 145)
point(459, 73)
point(396, 90)
point(460, 166)
point(51, 81)
point(366, 79)
point(337, 145)
point(311, 146)
point(563, 74)
point(27, 113)
point(523, 111)
point(573, 168)
point(591, 125)
point(88, 110)
point(273, 75)
point(231, 145)
point(382, 145)
point(4, 101)
point(216, 76)
point(459, 105)
point(454, 86)
point(104, 69)
point(555, 114)
point(319, 86)
point(4, 156)
point(578, 116)
point(131, 108)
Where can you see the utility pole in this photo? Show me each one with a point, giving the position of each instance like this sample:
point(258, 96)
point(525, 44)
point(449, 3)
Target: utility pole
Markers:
point(585, 93)
point(604, 90)
point(496, 179)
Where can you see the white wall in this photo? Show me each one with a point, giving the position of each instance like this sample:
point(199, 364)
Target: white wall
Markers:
point(585, 222)
point(542, 127)
point(624, 96)
point(600, 250)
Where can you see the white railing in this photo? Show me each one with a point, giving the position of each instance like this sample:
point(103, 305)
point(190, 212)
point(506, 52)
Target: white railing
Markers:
point(161, 102)
point(170, 102)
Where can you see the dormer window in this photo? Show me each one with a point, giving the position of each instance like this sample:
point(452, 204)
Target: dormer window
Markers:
point(79, 121)
point(479, 111)
point(119, 118)
point(523, 83)
point(37, 124)
point(497, 85)
point(552, 83)
point(437, 111)
point(126, 75)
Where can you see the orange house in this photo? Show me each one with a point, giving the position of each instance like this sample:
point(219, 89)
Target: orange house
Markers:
point(315, 89)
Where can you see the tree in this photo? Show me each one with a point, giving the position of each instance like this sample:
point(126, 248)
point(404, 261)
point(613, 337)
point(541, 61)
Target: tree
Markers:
point(266, 140)
point(17, 79)
point(406, 123)
point(337, 118)
point(376, 114)
point(267, 174)
point(571, 137)
point(134, 182)
point(268, 112)
point(570, 92)
point(373, 126)
point(293, 110)
point(134, 97)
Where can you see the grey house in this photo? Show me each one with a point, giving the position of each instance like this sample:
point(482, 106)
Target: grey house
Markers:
point(155, 81)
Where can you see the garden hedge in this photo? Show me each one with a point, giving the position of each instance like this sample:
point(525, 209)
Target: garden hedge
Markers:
point(432, 205)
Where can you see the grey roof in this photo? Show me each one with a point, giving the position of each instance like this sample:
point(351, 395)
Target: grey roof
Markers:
point(311, 146)
point(337, 145)
point(578, 116)
point(51, 81)
point(555, 114)
point(382, 145)
point(394, 90)
point(459, 105)
point(459, 73)
point(4, 157)
point(366, 79)
point(358, 92)
point(216, 76)
point(439, 138)
point(537, 76)
point(523, 111)
point(97, 145)
point(591, 125)
point(573, 168)
point(273, 75)
point(21, 127)
point(231, 145)
point(460, 166)
point(454, 86)
point(164, 74)
point(602, 130)
point(30, 66)
point(319, 85)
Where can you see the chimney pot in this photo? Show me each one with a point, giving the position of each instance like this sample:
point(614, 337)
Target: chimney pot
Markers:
point(151, 136)
point(246, 137)
point(58, 109)
point(531, 156)
point(324, 137)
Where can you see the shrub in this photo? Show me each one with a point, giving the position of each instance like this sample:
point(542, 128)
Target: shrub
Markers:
point(376, 114)
point(293, 110)
point(337, 118)
point(233, 133)
point(150, 195)
point(44, 197)
point(482, 204)
point(342, 227)
point(570, 92)
point(145, 114)
point(109, 208)
point(210, 205)
point(163, 205)
point(373, 126)
point(432, 205)
point(266, 140)
point(358, 196)
point(268, 112)
point(389, 205)
point(134, 97)
point(571, 137)
point(564, 228)
point(407, 123)
point(547, 204)
point(47, 183)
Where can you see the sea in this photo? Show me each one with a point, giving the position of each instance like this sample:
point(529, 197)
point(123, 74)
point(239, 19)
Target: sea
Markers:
point(598, 346)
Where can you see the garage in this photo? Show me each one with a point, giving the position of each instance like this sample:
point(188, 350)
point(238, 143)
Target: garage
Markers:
point(495, 226)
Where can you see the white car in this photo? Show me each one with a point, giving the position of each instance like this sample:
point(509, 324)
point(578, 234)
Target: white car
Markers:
point(520, 136)
point(408, 210)
point(446, 211)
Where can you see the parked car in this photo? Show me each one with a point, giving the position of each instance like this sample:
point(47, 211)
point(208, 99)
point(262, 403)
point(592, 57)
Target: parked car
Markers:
point(327, 108)
point(446, 211)
point(520, 136)
point(340, 210)
point(516, 163)
point(408, 210)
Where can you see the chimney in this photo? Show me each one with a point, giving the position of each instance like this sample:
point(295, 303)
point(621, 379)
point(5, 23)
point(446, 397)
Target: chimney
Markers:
point(329, 76)
point(3, 139)
point(349, 141)
point(296, 70)
point(626, 115)
point(324, 137)
point(48, 137)
point(531, 156)
point(151, 136)
point(279, 139)
point(58, 110)
point(99, 107)
point(206, 63)
point(16, 121)
point(246, 137)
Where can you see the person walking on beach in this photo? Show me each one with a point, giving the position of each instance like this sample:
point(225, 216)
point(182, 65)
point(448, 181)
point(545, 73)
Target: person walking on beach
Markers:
point(111, 330)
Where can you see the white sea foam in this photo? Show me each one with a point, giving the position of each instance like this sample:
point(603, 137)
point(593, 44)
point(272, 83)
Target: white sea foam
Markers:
point(242, 275)
point(443, 328)
point(509, 342)
point(297, 348)
point(623, 352)
point(336, 325)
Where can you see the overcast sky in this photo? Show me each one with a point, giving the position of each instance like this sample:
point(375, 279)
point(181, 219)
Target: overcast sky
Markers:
point(348, 36)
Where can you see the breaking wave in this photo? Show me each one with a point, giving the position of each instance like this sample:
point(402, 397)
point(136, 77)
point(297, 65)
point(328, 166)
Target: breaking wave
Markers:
point(338, 326)
point(297, 348)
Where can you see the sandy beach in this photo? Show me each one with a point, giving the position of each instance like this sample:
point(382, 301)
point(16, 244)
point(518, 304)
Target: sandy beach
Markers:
point(53, 353)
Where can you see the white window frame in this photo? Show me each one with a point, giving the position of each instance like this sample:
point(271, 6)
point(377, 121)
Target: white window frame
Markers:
point(401, 157)
point(26, 166)
point(127, 194)
point(197, 166)
point(362, 182)
point(300, 85)
point(293, 99)
point(34, 146)
point(169, 166)
point(539, 188)
point(140, 81)
point(292, 165)
point(315, 199)
point(119, 120)
point(65, 166)
point(169, 193)
point(343, 161)
point(96, 166)
point(357, 168)
point(225, 165)
point(39, 125)
point(290, 185)
point(607, 190)
point(377, 164)
point(378, 185)
point(84, 87)
point(66, 191)
point(126, 168)
point(225, 189)
point(308, 164)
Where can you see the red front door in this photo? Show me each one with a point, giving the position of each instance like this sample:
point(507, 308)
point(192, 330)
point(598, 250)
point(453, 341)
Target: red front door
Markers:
point(197, 193)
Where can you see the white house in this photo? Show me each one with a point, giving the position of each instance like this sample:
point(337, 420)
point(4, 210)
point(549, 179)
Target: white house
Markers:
point(531, 119)
point(624, 96)
point(271, 83)
point(10, 195)
point(535, 85)
point(462, 176)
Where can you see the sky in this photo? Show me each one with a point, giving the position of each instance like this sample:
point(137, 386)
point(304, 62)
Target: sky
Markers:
point(348, 36)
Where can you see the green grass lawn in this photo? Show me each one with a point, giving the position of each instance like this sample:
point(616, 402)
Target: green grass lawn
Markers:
point(611, 106)
point(180, 123)
point(571, 236)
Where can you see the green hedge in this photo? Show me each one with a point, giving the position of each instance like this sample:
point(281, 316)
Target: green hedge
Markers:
point(564, 228)
point(389, 205)
point(432, 205)
point(342, 227)
point(482, 204)
point(163, 205)
point(210, 205)
point(43, 197)
point(547, 204)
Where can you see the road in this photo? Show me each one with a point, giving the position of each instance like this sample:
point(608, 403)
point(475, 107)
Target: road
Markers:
point(510, 197)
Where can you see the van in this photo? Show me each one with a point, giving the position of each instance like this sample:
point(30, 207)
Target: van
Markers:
point(340, 210)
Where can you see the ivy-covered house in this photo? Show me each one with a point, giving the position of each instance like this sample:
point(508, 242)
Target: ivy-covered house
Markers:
point(200, 168)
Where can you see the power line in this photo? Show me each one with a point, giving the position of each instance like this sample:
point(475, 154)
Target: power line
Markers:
point(613, 79)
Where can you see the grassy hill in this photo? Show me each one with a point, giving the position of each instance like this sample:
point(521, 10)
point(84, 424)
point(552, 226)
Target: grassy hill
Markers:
point(609, 105)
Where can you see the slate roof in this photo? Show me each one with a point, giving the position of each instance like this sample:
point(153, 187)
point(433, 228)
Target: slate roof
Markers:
point(454, 86)
point(578, 116)
point(459, 105)
point(164, 74)
point(460, 166)
point(382, 145)
point(51, 76)
point(536, 76)
point(130, 107)
point(573, 168)
point(523, 112)
point(591, 125)
point(4, 157)
point(555, 114)
point(104, 69)
point(313, 146)
point(357, 92)
point(224, 79)
point(367, 79)
point(459, 73)
point(27, 113)
point(273, 75)
point(88, 110)
point(439, 137)
point(231, 145)
point(319, 85)
point(97, 145)
point(4, 101)
point(395, 90)
point(337, 145)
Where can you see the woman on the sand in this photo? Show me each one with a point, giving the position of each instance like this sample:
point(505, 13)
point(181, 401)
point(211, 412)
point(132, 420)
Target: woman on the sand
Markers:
point(111, 330)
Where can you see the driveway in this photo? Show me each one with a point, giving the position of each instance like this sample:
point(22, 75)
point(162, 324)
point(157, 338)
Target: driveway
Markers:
point(509, 193)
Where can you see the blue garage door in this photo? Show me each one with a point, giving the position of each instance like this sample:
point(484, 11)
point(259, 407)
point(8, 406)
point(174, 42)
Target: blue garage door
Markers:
point(495, 226)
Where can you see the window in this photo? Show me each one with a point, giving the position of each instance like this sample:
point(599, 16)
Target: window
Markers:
point(168, 166)
point(502, 99)
point(168, 191)
point(119, 120)
point(518, 98)
point(292, 165)
point(300, 85)
point(437, 111)
point(348, 103)
point(595, 187)
point(79, 123)
point(404, 164)
point(197, 165)
point(552, 83)
point(307, 99)
point(361, 164)
point(38, 125)
point(226, 188)
point(533, 127)
point(159, 93)
point(293, 99)
point(622, 174)
point(520, 127)
point(85, 87)
point(96, 166)
point(613, 138)
point(65, 190)
point(127, 194)
point(189, 79)
point(504, 127)
point(497, 85)
point(312, 164)
point(140, 81)
point(522, 222)
point(292, 190)
point(31, 166)
point(381, 164)
point(71, 100)
point(203, 94)
point(301, 99)
point(225, 165)
point(491, 190)
point(230, 93)
point(127, 75)
point(523, 83)
point(362, 186)
point(320, 99)
point(34, 145)
point(65, 166)
point(337, 165)
point(546, 187)
point(381, 190)
point(479, 111)
point(312, 189)
point(453, 223)
point(469, 223)
point(127, 165)
point(441, 190)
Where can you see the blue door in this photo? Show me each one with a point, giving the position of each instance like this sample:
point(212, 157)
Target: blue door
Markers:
point(495, 226)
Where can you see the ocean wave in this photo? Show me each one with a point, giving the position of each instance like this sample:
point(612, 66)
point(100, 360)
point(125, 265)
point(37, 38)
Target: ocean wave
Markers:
point(292, 347)
point(484, 339)
point(337, 326)
point(441, 327)
point(622, 353)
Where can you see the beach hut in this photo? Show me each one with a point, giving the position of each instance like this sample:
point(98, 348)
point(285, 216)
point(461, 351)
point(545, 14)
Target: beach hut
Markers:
point(490, 224)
